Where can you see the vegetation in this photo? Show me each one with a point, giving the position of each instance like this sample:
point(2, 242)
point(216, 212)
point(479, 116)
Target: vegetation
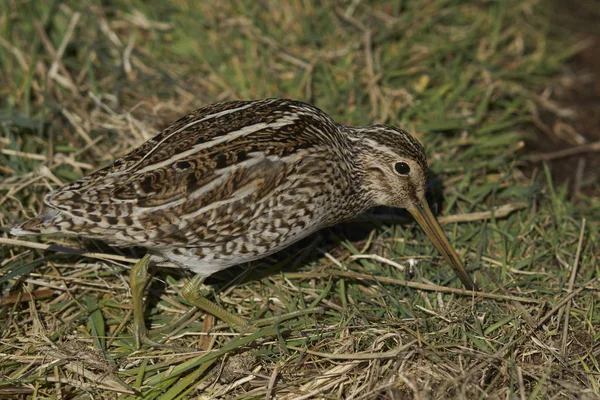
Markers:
point(84, 82)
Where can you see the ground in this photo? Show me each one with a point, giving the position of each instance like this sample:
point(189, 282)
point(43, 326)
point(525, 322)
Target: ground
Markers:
point(496, 91)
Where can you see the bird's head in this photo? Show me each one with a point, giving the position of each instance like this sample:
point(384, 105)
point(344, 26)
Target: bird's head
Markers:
point(394, 165)
point(395, 171)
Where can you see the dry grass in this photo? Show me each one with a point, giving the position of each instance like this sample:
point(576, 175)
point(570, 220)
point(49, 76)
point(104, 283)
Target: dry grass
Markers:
point(83, 84)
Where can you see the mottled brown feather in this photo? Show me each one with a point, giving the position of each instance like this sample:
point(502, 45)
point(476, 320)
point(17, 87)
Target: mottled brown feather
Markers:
point(235, 181)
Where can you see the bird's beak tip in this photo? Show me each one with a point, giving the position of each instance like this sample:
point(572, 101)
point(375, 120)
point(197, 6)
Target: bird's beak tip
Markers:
point(428, 222)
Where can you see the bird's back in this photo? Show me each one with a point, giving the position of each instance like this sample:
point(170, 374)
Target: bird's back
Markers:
point(246, 172)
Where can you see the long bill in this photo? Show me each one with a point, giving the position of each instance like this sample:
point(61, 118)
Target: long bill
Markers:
point(425, 218)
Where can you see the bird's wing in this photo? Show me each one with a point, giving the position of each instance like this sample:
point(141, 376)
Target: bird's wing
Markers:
point(222, 209)
point(214, 157)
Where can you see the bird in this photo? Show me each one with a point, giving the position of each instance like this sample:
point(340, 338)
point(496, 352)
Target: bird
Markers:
point(236, 181)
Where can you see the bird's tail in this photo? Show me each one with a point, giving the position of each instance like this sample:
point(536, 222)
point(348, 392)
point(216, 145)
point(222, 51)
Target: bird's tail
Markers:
point(45, 223)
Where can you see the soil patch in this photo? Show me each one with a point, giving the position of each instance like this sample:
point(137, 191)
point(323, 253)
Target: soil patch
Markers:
point(581, 93)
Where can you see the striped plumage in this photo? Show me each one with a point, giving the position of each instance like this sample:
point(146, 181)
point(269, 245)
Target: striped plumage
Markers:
point(236, 181)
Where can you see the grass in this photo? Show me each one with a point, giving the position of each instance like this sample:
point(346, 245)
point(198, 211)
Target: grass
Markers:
point(83, 83)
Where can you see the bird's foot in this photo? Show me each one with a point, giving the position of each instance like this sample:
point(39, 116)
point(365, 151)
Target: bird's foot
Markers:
point(191, 292)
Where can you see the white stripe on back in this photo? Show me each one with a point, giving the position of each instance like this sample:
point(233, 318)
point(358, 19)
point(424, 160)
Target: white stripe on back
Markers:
point(207, 117)
point(246, 130)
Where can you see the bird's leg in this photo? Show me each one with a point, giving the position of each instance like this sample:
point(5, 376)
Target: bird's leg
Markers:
point(137, 282)
point(191, 292)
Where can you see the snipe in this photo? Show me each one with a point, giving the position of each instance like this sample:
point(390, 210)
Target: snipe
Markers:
point(236, 181)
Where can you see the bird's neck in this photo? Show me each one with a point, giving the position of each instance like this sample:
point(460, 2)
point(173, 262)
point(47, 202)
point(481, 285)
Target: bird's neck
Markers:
point(359, 187)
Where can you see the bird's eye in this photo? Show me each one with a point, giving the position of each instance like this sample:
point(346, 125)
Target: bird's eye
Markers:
point(402, 168)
